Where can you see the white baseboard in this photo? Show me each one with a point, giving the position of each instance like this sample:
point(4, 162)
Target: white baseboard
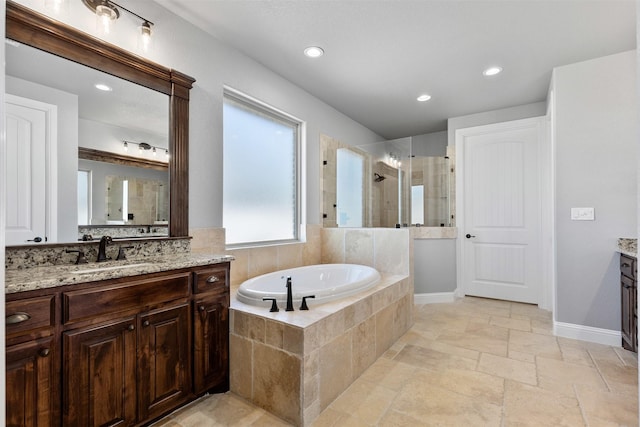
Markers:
point(434, 298)
point(587, 333)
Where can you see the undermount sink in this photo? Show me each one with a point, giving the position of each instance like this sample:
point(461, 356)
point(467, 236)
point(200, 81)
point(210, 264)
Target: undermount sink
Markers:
point(113, 267)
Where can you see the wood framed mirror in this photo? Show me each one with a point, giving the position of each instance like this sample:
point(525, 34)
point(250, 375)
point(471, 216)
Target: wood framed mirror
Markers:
point(41, 32)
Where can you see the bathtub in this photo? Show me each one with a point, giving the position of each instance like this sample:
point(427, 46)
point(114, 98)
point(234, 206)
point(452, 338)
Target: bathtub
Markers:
point(327, 282)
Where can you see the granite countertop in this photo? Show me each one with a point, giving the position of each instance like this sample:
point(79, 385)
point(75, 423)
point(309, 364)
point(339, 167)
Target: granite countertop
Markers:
point(628, 246)
point(29, 279)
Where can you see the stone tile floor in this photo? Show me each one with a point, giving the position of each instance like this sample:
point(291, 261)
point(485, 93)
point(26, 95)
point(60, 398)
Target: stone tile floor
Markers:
point(474, 362)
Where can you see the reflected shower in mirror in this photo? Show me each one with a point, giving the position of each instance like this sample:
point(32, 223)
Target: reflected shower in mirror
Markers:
point(384, 184)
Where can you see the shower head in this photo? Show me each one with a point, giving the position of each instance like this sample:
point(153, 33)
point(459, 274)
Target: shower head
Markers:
point(378, 177)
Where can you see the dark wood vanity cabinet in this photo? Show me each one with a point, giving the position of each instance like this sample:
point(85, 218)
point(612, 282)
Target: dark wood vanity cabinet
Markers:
point(130, 350)
point(31, 361)
point(210, 321)
point(628, 288)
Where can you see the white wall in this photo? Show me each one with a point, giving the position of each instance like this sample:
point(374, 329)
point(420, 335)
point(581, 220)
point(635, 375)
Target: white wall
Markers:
point(67, 149)
point(430, 144)
point(596, 135)
point(214, 64)
point(526, 111)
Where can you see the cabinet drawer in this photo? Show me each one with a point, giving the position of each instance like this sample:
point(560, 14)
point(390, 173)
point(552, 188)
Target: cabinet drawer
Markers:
point(134, 294)
point(628, 266)
point(27, 315)
point(212, 279)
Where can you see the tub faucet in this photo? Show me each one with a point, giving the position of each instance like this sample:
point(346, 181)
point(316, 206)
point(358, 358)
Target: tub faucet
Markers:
point(289, 295)
point(102, 249)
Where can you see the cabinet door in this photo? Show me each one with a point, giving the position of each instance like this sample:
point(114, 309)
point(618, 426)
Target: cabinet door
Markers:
point(164, 369)
point(99, 375)
point(211, 344)
point(29, 394)
point(627, 308)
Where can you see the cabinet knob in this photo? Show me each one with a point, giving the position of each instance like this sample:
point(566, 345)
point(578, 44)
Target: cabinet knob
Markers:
point(213, 279)
point(16, 318)
point(201, 308)
point(145, 323)
point(44, 352)
point(131, 327)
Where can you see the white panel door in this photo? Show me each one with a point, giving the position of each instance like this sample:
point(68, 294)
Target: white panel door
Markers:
point(26, 204)
point(501, 211)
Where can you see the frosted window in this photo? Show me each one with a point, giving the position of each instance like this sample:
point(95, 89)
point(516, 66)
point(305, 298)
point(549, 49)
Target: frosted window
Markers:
point(349, 188)
point(84, 197)
point(260, 189)
point(417, 204)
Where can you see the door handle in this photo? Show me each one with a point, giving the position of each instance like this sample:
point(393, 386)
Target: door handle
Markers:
point(468, 236)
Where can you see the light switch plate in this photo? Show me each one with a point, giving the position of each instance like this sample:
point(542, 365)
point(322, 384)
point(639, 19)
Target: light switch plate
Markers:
point(582, 214)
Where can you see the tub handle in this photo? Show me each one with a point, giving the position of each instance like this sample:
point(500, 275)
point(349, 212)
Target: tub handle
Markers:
point(274, 304)
point(213, 279)
point(304, 305)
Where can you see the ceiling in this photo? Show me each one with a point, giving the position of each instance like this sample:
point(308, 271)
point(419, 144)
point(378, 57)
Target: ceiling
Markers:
point(380, 55)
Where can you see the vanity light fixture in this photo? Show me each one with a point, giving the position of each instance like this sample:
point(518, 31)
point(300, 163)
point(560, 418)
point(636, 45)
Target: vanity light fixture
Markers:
point(314, 51)
point(424, 97)
point(492, 71)
point(107, 12)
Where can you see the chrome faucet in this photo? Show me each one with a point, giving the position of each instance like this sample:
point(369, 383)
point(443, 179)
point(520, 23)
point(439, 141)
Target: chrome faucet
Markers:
point(289, 295)
point(102, 249)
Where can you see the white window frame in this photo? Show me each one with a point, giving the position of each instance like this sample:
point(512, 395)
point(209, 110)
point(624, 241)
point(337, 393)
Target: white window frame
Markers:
point(268, 110)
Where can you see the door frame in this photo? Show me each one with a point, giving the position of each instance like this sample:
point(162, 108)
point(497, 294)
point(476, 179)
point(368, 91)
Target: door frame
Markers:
point(51, 158)
point(546, 296)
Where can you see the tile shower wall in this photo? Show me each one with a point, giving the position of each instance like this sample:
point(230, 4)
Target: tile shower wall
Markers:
point(328, 182)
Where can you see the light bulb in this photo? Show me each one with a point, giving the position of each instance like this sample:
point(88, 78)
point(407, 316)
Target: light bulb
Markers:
point(154, 151)
point(105, 18)
point(145, 41)
point(126, 146)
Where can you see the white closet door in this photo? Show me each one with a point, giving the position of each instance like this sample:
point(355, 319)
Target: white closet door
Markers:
point(501, 211)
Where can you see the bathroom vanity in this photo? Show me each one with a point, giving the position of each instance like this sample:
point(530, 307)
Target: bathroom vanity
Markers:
point(82, 349)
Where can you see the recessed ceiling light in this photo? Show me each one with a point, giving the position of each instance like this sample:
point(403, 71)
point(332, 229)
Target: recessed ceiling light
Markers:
point(104, 87)
point(314, 52)
point(492, 71)
point(423, 98)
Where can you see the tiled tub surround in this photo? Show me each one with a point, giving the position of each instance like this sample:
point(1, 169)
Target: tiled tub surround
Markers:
point(21, 257)
point(294, 364)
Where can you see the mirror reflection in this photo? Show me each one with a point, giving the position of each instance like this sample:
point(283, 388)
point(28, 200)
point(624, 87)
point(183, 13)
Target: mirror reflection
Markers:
point(77, 107)
point(384, 184)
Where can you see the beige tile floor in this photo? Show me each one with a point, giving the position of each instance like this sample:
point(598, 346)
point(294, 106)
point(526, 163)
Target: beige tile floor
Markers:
point(475, 362)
